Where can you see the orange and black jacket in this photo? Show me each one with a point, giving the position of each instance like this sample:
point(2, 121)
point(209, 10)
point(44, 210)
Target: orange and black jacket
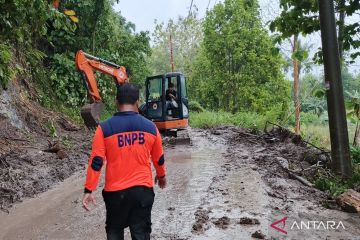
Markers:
point(126, 143)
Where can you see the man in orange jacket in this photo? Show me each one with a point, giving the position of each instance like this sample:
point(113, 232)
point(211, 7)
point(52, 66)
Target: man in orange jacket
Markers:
point(126, 143)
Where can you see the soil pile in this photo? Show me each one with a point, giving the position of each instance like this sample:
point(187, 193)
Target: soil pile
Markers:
point(27, 133)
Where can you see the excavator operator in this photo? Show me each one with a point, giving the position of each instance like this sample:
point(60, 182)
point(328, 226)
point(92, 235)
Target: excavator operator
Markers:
point(126, 142)
point(170, 97)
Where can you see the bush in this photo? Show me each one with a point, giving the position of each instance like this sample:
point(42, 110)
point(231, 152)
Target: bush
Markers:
point(66, 82)
point(307, 118)
point(355, 154)
point(6, 72)
point(195, 106)
point(334, 184)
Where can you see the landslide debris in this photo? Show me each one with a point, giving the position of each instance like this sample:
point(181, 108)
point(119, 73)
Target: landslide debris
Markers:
point(38, 147)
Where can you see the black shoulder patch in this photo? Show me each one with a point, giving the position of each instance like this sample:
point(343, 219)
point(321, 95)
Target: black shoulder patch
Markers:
point(161, 160)
point(97, 163)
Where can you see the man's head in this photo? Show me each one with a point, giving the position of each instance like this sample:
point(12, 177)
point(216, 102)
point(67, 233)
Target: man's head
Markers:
point(127, 96)
point(171, 86)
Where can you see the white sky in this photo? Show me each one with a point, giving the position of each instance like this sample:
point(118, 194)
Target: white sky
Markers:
point(144, 12)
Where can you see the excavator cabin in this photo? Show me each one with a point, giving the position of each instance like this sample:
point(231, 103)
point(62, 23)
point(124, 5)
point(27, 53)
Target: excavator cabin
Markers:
point(166, 102)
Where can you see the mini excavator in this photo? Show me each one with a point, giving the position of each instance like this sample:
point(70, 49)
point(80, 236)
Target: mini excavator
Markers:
point(169, 119)
point(86, 64)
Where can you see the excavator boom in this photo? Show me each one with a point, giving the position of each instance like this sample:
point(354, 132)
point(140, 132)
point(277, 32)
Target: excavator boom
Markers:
point(87, 64)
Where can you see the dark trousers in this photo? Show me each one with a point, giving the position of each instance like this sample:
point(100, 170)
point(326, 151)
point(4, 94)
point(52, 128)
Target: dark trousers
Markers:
point(129, 208)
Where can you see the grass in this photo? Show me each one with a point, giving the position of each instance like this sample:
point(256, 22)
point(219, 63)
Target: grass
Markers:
point(319, 134)
point(208, 119)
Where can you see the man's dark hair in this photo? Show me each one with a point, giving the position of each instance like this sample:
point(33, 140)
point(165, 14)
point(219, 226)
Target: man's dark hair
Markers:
point(127, 93)
point(171, 85)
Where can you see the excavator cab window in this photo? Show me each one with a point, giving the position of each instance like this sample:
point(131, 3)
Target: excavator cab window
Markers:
point(155, 89)
point(172, 105)
point(154, 98)
point(184, 98)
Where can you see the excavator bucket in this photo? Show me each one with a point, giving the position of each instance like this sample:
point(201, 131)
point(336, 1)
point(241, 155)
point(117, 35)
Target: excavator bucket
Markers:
point(91, 113)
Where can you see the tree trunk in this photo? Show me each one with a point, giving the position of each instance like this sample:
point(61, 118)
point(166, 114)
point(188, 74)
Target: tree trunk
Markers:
point(296, 86)
point(357, 135)
point(341, 29)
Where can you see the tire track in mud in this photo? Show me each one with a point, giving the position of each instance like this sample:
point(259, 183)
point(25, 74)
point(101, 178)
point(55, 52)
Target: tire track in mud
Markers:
point(235, 200)
point(253, 187)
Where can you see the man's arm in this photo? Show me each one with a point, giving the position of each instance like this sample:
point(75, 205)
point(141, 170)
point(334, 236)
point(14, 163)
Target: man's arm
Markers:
point(173, 95)
point(157, 156)
point(96, 161)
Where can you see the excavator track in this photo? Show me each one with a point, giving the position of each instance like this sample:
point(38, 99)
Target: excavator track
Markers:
point(177, 137)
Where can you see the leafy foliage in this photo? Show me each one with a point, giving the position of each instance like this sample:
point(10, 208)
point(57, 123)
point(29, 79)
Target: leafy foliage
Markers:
point(47, 52)
point(334, 184)
point(353, 108)
point(65, 82)
point(301, 16)
point(237, 68)
point(355, 154)
point(186, 35)
point(195, 106)
point(6, 71)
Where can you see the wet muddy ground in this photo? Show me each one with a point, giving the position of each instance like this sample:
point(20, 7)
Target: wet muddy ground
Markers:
point(227, 185)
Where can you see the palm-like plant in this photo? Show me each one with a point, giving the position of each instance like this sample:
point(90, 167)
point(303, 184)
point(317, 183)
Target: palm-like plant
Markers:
point(353, 113)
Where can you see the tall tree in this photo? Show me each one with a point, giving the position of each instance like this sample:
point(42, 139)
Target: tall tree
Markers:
point(238, 68)
point(186, 34)
point(296, 75)
point(300, 62)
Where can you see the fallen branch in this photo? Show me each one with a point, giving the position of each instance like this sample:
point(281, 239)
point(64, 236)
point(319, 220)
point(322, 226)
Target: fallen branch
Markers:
point(284, 164)
point(260, 150)
point(307, 169)
point(301, 179)
point(16, 139)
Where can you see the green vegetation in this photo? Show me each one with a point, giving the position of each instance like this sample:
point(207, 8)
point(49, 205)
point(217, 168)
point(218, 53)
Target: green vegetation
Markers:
point(353, 113)
point(195, 106)
point(187, 35)
point(249, 120)
point(303, 17)
point(6, 70)
point(239, 76)
point(334, 184)
point(47, 52)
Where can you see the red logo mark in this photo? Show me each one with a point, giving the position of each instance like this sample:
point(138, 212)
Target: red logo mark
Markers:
point(273, 225)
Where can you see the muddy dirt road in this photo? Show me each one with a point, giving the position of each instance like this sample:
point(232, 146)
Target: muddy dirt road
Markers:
point(224, 186)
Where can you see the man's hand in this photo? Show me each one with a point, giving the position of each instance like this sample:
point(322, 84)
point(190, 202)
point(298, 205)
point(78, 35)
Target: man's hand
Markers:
point(87, 199)
point(161, 182)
